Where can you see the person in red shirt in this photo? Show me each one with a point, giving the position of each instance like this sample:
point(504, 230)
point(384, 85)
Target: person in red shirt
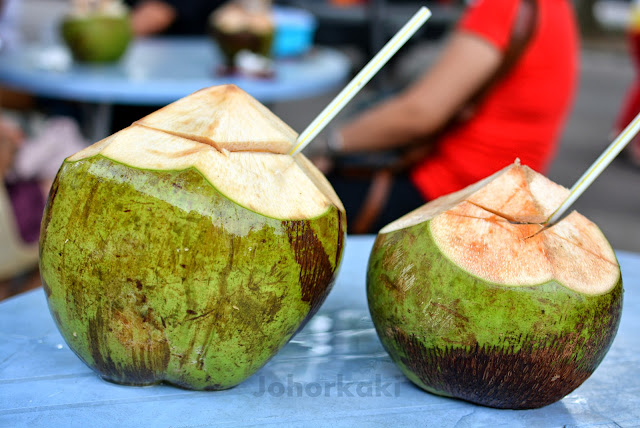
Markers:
point(521, 116)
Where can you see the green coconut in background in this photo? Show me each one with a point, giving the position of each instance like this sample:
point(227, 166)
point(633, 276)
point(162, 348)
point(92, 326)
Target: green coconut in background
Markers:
point(475, 297)
point(97, 37)
point(189, 248)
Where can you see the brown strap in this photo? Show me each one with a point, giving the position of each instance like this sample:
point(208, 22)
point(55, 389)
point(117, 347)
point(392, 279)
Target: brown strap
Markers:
point(382, 180)
point(374, 202)
point(523, 29)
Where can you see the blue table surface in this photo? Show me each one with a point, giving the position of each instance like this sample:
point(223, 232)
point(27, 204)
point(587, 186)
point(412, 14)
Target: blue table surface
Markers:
point(42, 383)
point(157, 71)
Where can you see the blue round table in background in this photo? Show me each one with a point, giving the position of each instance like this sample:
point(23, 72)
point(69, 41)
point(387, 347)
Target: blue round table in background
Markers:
point(158, 71)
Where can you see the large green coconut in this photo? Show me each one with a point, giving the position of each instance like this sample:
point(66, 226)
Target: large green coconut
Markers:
point(189, 247)
point(474, 298)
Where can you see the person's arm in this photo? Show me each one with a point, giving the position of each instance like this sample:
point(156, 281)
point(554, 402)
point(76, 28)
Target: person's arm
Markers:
point(152, 17)
point(467, 63)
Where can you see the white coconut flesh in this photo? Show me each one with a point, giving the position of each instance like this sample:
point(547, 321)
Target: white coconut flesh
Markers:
point(495, 230)
point(237, 144)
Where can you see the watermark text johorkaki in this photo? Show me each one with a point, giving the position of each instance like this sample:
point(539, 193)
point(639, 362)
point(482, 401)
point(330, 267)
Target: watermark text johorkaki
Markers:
point(339, 388)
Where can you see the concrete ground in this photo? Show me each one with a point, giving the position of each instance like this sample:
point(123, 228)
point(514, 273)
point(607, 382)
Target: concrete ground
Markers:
point(613, 200)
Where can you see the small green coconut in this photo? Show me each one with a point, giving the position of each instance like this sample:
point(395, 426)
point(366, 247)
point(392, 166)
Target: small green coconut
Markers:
point(189, 247)
point(97, 37)
point(474, 297)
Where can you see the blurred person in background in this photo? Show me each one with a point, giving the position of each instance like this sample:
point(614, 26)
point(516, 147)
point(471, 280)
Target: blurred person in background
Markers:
point(631, 104)
point(28, 166)
point(150, 17)
point(29, 161)
point(27, 169)
point(14, 263)
point(500, 90)
point(25, 195)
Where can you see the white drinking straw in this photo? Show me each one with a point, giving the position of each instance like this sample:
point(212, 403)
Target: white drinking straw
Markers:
point(361, 79)
point(598, 166)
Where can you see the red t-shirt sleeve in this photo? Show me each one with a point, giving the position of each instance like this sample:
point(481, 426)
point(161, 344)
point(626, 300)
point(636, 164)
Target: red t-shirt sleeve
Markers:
point(490, 19)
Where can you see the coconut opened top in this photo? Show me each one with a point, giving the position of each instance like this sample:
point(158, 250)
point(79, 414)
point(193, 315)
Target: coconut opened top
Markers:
point(235, 142)
point(496, 229)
